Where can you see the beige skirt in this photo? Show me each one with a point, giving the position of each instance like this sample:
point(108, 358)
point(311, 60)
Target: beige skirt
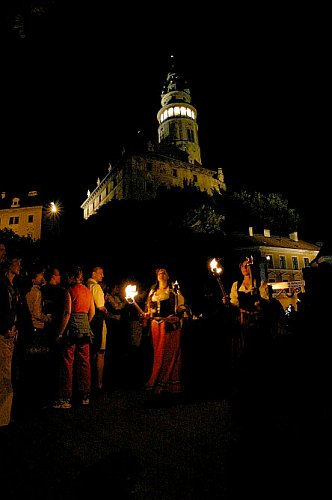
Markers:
point(6, 388)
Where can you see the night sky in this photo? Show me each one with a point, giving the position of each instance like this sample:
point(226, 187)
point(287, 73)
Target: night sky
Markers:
point(79, 83)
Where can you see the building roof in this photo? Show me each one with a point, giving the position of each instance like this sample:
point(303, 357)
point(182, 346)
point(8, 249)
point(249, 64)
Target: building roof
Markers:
point(324, 254)
point(259, 240)
point(26, 199)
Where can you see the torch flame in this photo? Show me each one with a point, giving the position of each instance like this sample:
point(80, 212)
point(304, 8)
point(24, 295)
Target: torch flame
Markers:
point(130, 297)
point(215, 268)
point(131, 292)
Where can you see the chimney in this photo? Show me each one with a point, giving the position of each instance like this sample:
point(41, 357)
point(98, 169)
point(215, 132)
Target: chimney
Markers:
point(267, 233)
point(251, 231)
point(293, 236)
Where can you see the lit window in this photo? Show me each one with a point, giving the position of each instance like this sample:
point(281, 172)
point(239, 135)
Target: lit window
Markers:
point(170, 111)
point(189, 112)
point(176, 110)
point(183, 111)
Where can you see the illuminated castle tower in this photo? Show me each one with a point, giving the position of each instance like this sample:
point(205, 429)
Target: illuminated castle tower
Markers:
point(173, 161)
point(177, 117)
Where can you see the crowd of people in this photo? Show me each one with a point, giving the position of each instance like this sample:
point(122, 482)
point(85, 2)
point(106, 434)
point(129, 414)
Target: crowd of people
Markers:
point(66, 337)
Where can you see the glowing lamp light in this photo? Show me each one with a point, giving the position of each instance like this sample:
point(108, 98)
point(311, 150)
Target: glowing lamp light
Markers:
point(54, 210)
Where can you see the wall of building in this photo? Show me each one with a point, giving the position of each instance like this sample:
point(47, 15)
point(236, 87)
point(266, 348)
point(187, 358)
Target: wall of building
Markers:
point(20, 216)
point(138, 177)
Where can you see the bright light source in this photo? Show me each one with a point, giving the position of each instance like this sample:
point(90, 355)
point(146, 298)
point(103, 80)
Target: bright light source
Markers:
point(54, 210)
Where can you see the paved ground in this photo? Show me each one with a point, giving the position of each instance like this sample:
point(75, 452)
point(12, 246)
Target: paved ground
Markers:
point(213, 446)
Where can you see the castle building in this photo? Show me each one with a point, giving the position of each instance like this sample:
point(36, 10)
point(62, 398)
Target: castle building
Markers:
point(173, 161)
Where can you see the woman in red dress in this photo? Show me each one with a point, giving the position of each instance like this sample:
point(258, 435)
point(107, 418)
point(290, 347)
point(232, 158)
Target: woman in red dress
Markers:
point(163, 309)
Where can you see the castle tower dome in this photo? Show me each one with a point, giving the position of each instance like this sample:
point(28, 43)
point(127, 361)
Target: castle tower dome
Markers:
point(177, 116)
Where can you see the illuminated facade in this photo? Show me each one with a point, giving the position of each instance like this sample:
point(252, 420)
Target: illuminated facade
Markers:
point(175, 161)
point(22, 214)
point(281, 261)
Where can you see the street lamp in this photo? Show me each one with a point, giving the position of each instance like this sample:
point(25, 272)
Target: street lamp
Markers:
point(54, 210)
point(267, 267)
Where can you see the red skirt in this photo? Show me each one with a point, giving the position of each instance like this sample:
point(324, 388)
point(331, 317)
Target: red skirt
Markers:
point(166, 370)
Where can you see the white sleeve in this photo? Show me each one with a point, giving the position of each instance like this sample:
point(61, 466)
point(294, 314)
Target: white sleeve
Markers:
point(234, 297)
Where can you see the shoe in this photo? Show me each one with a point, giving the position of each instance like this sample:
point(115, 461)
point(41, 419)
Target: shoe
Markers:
point(63, 404)
point(85, 401)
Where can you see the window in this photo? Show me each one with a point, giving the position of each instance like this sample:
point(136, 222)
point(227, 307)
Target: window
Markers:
point(13, 220)
point(306, 262)
point(30, 219)
point(175, 172)
point(282, 262)
point(190, 135)
point(195, 178)
point(15, 202)
point(269, 261)
point(295, 263)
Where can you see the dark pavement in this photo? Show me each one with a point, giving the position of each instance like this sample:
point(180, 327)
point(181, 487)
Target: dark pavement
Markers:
point(273, 442)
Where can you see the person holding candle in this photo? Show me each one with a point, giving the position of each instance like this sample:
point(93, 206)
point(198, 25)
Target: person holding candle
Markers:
point(164, 309)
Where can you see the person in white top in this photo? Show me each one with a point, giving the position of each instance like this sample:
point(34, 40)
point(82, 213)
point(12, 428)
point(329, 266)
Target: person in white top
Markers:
point(98, 327)
point(251, 299)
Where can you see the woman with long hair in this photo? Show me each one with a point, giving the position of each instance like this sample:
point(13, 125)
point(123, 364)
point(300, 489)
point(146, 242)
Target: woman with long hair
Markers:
point(164, 309)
